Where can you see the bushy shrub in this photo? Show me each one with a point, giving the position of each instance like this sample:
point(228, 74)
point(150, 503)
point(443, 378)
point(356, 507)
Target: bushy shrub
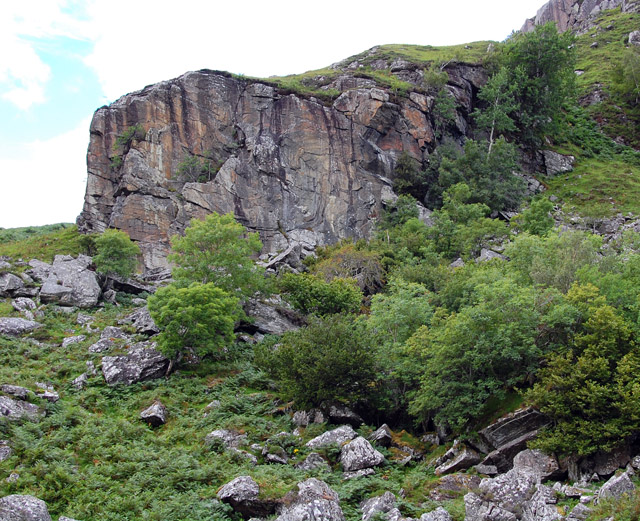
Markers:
point(116, 253)
point(331, 359)
point(311, 294)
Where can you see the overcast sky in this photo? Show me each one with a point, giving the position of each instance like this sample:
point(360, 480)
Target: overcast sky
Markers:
point(62, 59)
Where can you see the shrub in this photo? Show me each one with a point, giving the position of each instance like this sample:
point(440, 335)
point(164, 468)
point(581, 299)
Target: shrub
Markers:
point(116, 253)
point(200, 317)
point(331, 359)
point(310, 294)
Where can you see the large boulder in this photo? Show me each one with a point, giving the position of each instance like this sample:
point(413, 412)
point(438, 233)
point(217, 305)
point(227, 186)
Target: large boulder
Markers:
point(617, 486)
point(142, 362)
point(458, 458)
point(9, 284)
point(359, 454)
point(314, 501)
point(557, 163)
point(16, 410)
point(545, 466)
point(242, 494)
point(477, 509)
point(71, 283)
point(439, 514)
point(337, 436)
point(542, 506)
point(12, 326)
point(378, 505)
point(23, 508)
point(141, 321)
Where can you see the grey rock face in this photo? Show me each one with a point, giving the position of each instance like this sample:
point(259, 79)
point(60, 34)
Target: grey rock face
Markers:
point(39, 270)
point(155, 415)
point(5, 450)
point(242, 494)
point(71, 283)
point(272, 316)
point(510, 491)
point(572, 15)
point(139, 364)
point(16, 410)
point(543, 465)
point(142, 322)
point(24, 305)
point(359, 454)
point(616, 486)
point(542, 506)
point(337, 437)
point(384, 503)
point(557, 163)
point(296, 170)
point(73, 340)
point(113, 332)
point(17, 326)
point(230, 439)
point(476, 509)
point(382, 436)
point(315, 501)
point(313, 461)
point(101, 346)
point(9, 283)
point(439, 514)
point(513, 426)
point(463, 458)
point(23, 508)
point(22, 393)
point(304, 418)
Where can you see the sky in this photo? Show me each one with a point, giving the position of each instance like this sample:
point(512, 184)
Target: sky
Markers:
point(63, 59)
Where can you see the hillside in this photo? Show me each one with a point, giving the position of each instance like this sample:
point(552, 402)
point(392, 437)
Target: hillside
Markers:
point(410, 293)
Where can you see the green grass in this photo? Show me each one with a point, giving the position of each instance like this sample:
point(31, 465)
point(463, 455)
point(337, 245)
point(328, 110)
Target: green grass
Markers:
point(19, 234)
point(599, 188)
point(45, 245)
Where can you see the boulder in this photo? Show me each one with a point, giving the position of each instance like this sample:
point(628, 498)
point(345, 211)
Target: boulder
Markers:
point(230, 439)
point(25, 305)
point(272, 316)
point(155, 415)
point(464, 458)
point(22, 393)
point(73, 340)
point(379, 504)
point(242, 494)
point(487, 255)
point(382, 436)
point(39, 270)
point(11, 326)
point(16, 410)
point(359, 454)
point(5, 450)
point(23, 508)
point(142, 362)
point(503, 456)
point(439, 514)
point(634, 38)
point(71, 283)
point(337, 437)
point(304, 418)
point(510, 491)
point(80, 382)
point(313, 461)
point(557, 163)
point(102, 346)
point(130, 286)
point(513, 426)
point(579, 513)
point(9, 283)
point(452, 486)
point(142, 322)
point(112, 332)
point(544, 466)
point(315, 500)
point(616, 487)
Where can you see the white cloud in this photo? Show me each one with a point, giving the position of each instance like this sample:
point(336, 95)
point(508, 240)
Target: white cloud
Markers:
point(47, 183)
point(23, 74)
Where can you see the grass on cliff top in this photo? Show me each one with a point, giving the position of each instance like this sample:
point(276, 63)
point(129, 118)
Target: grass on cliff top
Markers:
point(43, 243)
point(315, 82)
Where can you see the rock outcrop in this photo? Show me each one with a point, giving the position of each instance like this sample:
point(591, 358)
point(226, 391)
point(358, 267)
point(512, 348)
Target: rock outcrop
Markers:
point(299, 170)
point(575, 15)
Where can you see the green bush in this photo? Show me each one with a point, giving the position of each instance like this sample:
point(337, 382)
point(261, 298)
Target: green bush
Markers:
point(200, 317)
point(331, 359)
point(116, 253)
point(310, 294)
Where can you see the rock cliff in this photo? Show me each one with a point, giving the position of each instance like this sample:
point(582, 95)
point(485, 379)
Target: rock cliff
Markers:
point(576, 15)
point(301, 170)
